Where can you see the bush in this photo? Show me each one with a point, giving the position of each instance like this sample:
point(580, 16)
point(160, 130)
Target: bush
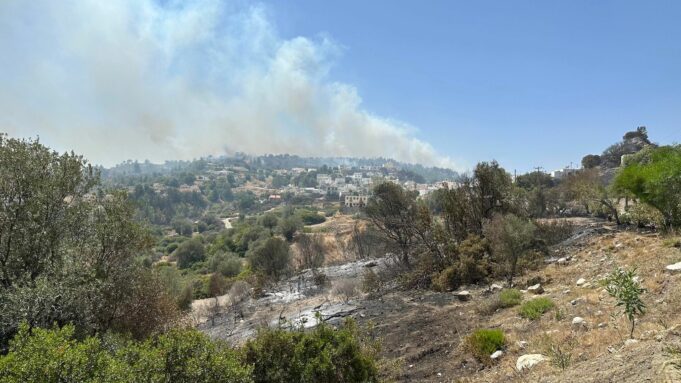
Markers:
point(190, 252)
point(270, 257)
point(226, 264)
point(345, 289)
point(310, 217)
point(40, 355)
point(371, 283)
point(510, 297)
point(320, 355)
point(534, 308)
point(484, 342)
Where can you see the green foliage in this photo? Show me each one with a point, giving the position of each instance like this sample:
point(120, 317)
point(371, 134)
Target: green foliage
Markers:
point(654, 176)
point(270, 257)
point(511, 238)
point(229, 265)
point(190, 252)
point(484, 342)
point(321, 355)
point(309, 217)
point(48, 356)
point(533, 309)
point(623, 286)
point(510, 297)
point(288, 227)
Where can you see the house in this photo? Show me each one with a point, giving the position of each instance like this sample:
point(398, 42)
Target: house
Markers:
point(356, 200)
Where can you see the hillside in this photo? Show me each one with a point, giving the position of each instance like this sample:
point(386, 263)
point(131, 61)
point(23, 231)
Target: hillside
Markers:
point(422, 332)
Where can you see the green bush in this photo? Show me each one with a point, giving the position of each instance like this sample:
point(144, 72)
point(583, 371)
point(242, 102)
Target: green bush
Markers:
point(321, 355)
point(484, 342)
point(510, 297)
point(310, 217)
point(534, 308)
point(41, 355)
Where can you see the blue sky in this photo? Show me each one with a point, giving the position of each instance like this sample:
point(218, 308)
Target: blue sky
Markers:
point(448, 83)
point(530, 83)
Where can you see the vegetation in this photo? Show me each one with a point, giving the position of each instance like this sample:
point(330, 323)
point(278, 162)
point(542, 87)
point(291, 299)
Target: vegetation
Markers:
point(510, 297)
point(484, 342)
point(321, 355)
point(654, 176)
point(511, 238)
point(270, 257)
point(56, 355)
point(533, 309)
point(624, 287)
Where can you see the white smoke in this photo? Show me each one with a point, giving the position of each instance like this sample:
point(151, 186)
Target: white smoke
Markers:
point(143, 80)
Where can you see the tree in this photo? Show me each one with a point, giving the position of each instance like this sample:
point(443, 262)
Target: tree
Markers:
point(493, 186)
point(68, 251)
point(269, 221)
point(587, 188)
point(289, 226)
point(510, 238)
point(591, 161)
point(654, 177)
point(190, 252)
point(393, 211)
point(311, 251)
point(624, 287)
point(270, 257)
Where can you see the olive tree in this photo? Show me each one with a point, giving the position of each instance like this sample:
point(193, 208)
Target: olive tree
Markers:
point(510, 237)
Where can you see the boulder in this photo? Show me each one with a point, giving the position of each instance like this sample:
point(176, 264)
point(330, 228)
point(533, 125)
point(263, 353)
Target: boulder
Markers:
point(579, 323)
point(464, 295)
point(496, 287)
point(536, 289)
point(581, 281)
point(528, 361)
point(496, 355)
point(675, 268)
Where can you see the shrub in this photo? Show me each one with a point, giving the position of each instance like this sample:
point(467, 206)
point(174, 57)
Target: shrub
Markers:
point(270, 257)
point(510, 297)
point(484, 342)
point(623, 286)
point(41, 355)
point(345, 289)
point(534, 308)
point(321, 355)
point(190, 252)
point(371, 283)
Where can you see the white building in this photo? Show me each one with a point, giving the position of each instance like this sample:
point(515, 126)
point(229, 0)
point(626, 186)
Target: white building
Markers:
point(356, 200)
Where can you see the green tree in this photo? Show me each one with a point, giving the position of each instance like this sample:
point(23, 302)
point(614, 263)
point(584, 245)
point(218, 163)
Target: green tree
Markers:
point(393, 212)
point(190, 252)
point(624, 287)
point(654, 177)
point(288, 227)
point(271, 257)
point(269, 221)
point(511, 238)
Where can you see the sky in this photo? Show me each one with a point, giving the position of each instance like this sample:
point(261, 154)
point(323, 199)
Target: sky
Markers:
point(445, 83)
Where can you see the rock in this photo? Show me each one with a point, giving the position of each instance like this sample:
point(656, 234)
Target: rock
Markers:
point(587, 285)
point(568, 291)
point(675, 268)
point(574, 302)
point(464, 295)
point(562, 261)
point(581, 281)
point(579, 322)
point(536, 289)
point(602, 325)
point(521, 344)
point(439, 374)
point(630, 342)
point(496, 287)
point(497, 354)
point(528, 361)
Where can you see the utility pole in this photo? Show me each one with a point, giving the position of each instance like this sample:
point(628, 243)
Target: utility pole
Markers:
point(538, 169)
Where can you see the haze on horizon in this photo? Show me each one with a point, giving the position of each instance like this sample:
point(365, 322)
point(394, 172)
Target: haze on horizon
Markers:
point(163, 80)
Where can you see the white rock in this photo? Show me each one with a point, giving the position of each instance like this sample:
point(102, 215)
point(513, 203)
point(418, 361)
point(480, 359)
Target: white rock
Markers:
point(587, 285)
point(630, 342)
point(578, 322)
point(497, 354)
point(562, 261)
point(675, 268)
point(496, 287)
point(521, 344)
point(464, 295)
point(536, 289)
point(528, 361)
point(581, 281)
point(602, 325)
